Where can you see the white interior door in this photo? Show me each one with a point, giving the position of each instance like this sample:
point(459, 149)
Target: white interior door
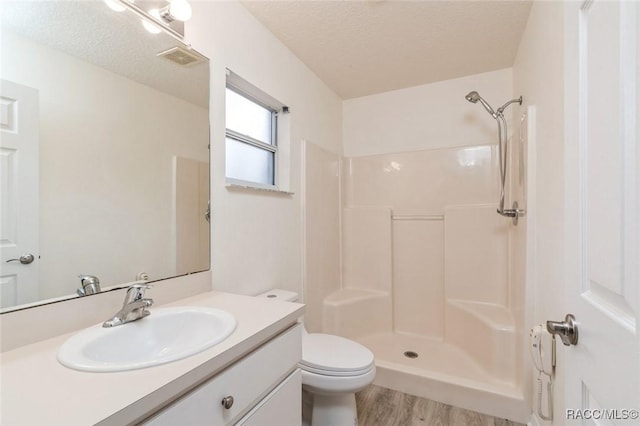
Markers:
point(601, 210)
point(19, 194)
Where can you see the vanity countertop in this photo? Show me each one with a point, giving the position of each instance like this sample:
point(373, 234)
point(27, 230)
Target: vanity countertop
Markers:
point(36, 389)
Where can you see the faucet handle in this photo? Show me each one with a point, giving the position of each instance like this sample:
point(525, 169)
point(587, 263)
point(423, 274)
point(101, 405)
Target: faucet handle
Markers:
point(136, 292)
point(141, 286)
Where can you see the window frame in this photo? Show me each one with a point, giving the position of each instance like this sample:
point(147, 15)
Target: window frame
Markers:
point(274, 108)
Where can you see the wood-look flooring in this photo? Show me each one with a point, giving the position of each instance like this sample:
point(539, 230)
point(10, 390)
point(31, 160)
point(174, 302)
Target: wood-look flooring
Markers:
point(379, 406)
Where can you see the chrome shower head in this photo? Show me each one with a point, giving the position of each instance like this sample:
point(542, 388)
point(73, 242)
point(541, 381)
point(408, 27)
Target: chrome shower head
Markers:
point(474, 97)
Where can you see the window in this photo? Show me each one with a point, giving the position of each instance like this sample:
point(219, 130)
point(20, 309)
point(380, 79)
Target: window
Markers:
point(251, 135)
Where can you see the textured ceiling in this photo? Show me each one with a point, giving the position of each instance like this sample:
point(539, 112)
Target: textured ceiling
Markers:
point(363, 47)
point(90, 31)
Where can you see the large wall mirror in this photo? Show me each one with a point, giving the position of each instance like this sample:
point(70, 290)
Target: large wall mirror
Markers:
point(104, 151)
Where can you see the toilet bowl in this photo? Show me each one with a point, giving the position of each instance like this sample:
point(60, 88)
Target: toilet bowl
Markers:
point(333, 370)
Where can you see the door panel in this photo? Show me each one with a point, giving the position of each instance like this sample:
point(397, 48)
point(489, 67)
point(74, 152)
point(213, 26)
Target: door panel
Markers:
point(601, 213)
point(19, 183)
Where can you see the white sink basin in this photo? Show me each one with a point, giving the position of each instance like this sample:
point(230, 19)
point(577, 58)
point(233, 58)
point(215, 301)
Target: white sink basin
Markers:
point(166, 335)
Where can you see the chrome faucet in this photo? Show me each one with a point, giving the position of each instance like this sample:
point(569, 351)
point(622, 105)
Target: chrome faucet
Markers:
point(134, 306)
point(90, 285)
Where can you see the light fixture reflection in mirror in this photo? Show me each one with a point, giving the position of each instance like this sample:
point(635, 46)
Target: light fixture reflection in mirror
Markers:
point(176, 9)
point(157, 15)
point(116, 6)
point(152, 27)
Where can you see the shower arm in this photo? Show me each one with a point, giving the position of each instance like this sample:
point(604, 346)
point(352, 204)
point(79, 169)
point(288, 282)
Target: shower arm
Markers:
point(503, 107)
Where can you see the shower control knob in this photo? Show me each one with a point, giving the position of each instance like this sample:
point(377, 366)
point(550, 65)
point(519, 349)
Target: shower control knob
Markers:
point(227, 402)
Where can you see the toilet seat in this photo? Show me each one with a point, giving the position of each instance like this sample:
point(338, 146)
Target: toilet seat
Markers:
point(329, 355)
point(335, 373)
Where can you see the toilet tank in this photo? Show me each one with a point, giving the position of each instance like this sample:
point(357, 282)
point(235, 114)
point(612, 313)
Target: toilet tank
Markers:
point(282, 295)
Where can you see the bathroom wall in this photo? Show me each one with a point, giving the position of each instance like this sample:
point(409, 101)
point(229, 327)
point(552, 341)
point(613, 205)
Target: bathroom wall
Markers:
point(430, 116)
point(257, 240)
point(79, 202)
point(538, 76)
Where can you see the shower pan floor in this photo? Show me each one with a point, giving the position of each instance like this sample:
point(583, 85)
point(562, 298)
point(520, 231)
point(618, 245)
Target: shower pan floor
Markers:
point(444, 373)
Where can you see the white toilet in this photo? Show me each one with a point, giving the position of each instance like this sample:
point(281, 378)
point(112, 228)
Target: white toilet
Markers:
point(333, 370)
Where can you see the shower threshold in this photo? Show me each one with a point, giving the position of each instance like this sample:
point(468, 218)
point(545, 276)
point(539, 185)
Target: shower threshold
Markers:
point(444, 373)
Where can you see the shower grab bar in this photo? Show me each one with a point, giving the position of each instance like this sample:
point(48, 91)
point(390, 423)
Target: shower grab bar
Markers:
point(416, 217)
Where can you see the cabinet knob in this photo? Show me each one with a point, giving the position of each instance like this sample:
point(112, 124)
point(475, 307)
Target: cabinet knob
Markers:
point(227, 402)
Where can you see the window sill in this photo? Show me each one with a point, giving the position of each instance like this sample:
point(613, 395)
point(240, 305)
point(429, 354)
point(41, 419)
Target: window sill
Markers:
point(248, 186)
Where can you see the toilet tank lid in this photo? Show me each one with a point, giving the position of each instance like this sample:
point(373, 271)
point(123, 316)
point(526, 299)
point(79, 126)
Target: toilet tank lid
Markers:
point(279, 294)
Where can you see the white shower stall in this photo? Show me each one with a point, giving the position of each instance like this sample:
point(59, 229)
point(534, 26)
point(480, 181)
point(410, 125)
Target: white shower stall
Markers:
point(404, 251)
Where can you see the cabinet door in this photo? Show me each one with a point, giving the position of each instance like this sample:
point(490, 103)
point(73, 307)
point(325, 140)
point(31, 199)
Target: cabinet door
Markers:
point(282, 407)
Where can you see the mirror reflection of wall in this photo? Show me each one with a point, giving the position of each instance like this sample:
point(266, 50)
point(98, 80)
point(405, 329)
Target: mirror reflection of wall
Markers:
point(123, 150)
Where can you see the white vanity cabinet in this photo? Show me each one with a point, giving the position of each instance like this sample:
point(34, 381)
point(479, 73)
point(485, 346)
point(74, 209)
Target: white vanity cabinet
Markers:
point(261, 389)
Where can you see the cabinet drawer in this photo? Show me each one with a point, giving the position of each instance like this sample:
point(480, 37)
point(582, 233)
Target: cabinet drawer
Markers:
point(247, 381)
